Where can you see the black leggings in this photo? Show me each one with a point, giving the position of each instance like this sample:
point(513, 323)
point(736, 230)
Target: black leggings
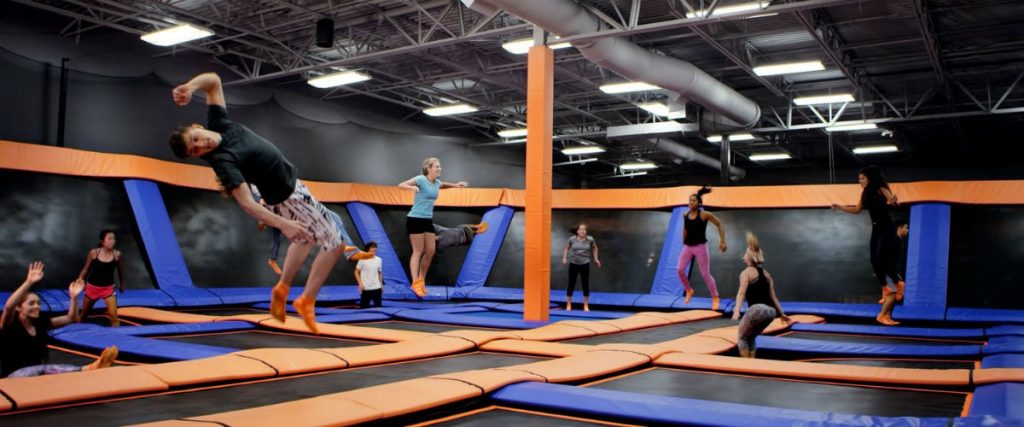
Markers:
point(578, 270)
point(885, 253)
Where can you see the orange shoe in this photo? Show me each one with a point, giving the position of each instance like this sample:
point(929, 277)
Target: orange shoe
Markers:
point(359, 256)
point(715, 302)
point(307, 311)
point(689, 295)
point(481, 228)
point(419, 288)
point(273, 266)
point(901, 287)
point(106, 359)
point(278, 300)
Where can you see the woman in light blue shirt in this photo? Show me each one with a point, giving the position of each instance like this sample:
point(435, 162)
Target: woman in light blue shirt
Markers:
point(419, 224)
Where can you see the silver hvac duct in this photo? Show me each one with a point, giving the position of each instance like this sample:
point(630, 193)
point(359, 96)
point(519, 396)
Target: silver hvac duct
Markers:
point(566, 18)
point(687, 153)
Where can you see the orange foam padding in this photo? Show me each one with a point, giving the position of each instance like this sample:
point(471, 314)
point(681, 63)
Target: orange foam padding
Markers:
point(597, 326)
point(682, 316)
point(778, 326)
point(429, 346)
point(294, 324)
point(699, 344)
point(289, 361)
point(480, 337)
point(540, 95)
point(820, 371)
point(650, 350)
point(536, 348)
point(164, 316)
point(491, 379)
point(594, 363)
point(556, 332)
point(997, 375)
point(75, 386)
point(317, 411)
point(5, 405)
point(69, 161)
point(229, 367)
point(175, 423)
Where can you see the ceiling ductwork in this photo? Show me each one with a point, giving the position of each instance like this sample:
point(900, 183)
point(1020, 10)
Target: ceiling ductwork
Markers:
point(687, 153)
point(565, 18)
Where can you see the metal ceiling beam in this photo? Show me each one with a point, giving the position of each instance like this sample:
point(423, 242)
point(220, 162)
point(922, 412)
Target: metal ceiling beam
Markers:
point(931, 43)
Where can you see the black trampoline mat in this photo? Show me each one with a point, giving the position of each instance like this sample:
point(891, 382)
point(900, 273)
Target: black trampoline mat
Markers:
point(659, 333)
point(845, 399)
point(504, 417)
point(915, 364)
point(869, 339)
point(210, 401)
point(59, 357)
point(420, 327)
point(244, 340)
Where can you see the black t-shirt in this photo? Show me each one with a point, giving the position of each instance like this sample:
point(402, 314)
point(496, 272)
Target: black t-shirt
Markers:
point(878, 208)
point(759, 290)
point(244, 156)
point(18, 349)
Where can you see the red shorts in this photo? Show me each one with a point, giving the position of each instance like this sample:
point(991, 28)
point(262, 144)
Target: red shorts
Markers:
point(97, 293)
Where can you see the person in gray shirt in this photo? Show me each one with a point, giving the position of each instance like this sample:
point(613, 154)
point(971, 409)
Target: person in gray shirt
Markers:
point(577, 254)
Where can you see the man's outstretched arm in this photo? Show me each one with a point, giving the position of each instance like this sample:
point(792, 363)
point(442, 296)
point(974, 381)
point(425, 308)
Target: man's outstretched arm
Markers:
point(209, 83)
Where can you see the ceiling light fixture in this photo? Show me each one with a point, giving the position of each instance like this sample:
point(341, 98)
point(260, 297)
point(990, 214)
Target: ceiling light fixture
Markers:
point(734, 137)
point(875, 149)
point(823, 99)
point(175, 35)
point(613, 88)
point(769, 156)
point(449, 110)
point(340, 78)
point(788, 68)
point(851, 127)
point(512, 133)
point(583, 149)
point(522, 46)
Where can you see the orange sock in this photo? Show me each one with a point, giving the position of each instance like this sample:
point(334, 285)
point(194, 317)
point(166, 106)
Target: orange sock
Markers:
point(307, 311)
point(273, 266)
point(278, 300)
point(689, 295)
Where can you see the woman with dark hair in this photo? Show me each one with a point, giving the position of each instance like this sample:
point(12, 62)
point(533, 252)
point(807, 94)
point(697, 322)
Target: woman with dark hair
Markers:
point(419, 224)
point(695, 225)
point(577, 254)
point(98, 274)
point(24, 335)
point(877, 197)
point(757, 289)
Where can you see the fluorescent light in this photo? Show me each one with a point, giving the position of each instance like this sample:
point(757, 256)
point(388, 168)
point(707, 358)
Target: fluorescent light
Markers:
point(627, 87)
point(522, 46)
point(629, 175)
point(662, 110)
point(338, 79)
point(823, 99)
point(584, 149)
point(174, 35)
point(448, 110)
point(788, 68)
point(851, 127)
point(637, 166)
point(873, 149)
point(733, 137)
point(769, 156)
point(512, 133)
point(728, 10)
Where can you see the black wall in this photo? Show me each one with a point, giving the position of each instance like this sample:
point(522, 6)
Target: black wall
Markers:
point(56, 220)
point(985, 251)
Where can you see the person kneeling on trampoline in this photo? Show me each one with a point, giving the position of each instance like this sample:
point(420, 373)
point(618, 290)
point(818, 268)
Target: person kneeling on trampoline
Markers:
point(24, 335)
point(457, 236)
point(758, 289)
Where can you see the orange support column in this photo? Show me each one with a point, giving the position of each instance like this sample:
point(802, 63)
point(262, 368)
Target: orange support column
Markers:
point(537, 254)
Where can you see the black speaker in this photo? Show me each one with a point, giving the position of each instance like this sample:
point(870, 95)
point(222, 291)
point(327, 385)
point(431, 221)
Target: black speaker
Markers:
point(325, 33)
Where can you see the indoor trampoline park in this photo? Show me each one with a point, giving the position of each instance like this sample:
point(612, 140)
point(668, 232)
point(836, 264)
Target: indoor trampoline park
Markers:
point(511, 212)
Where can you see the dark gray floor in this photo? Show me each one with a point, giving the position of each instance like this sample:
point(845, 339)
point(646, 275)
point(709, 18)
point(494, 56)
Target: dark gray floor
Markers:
point(502, 417)
point(244, 340)
point(64, 358)
point(182, 405)
point(420, 327)
point(778, 393)
point(868, 339)
point(916, 364)
point(658, 334)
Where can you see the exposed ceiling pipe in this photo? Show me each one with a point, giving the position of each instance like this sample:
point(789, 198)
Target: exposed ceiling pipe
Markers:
point(687, 153)
point(566, 18)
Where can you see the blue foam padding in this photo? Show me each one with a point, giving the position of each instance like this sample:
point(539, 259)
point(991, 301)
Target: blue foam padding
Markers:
point(98, 338)
point(337, 293)
point(1007, 360)
point(484, 248)
point(648, 409)
point(801, 345)
point(184, 328)
point(137, 298)
point(610, 298)
point(404, 293)
point(192, 297)
point(555, 311)
point(861, 310)
point(415, 305)
point(1004, 330)
point(927, 255)
point(500, 294)
point(702, 303)
point(666, 281)
point(655, 301)
point(1005, 344)
point(1000, 400)
point(232, 296)
point(370, 228)
point(353, 317)
point(56, 300)
point(434, 316)
point(895, 331)
point(985, 315)
point(158, 236)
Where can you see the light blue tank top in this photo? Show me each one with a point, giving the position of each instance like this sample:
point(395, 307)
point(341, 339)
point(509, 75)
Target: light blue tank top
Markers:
point(423, 201)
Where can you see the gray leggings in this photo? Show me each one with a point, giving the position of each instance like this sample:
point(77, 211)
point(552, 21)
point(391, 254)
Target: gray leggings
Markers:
point(39, 370)
point(757, 317)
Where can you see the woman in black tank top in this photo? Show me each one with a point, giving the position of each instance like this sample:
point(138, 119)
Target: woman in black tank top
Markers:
point(98, 274)
point(695, 225)
point(758, 289)
point(877, 198)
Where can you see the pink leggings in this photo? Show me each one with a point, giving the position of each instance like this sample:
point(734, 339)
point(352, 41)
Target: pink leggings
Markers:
point(703, 261)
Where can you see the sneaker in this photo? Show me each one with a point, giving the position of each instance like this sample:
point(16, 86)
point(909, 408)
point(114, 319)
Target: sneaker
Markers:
point(419, 288)
point(307, 311)
point(689, 295)
point(273, 266)
point(278, 300)
point(714, 303)
point(359, 256)
point(106, 359)
point(901, 287)
point(481, 228)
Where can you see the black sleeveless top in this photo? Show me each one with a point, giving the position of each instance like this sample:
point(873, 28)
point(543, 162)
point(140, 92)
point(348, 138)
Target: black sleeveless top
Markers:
point(759, 290)
point(878, 208)
point(695, 230)
point(102, 273)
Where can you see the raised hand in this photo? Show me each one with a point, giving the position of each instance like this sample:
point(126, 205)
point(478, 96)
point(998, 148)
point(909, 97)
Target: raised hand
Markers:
point(75, 288)
point(183, 94)
point(35, 272)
